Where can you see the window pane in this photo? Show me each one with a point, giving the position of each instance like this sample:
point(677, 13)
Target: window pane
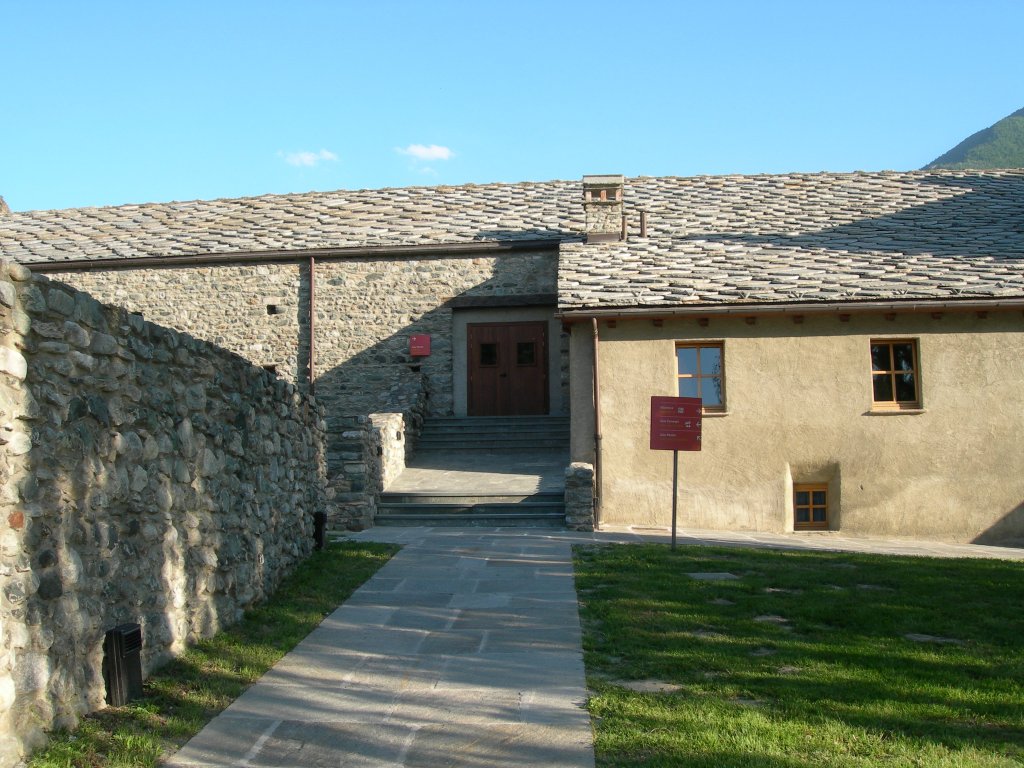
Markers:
point(710, 360)
point(488, 354)
point(882, 383)
point(903, 357)
point(906, 392)
point(803, 498)
point(711, 391)
point(880, 357)
point(525, 353)
point(818, 515)
point(818, 498)
point(686, 360)
point(688, 388)
point(803, 515)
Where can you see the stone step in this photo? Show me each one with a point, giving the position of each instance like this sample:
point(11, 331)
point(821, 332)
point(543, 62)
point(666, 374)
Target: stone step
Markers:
point(495, 433)
point(521, 423)
point(488, 509)
point(478, 431)
point(471, 508)
point(427, 497)
point(445, 420)
point(493, 444)
point(523, 520)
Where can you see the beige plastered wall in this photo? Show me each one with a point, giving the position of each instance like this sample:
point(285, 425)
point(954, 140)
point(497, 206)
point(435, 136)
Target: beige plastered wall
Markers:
point(799, 410)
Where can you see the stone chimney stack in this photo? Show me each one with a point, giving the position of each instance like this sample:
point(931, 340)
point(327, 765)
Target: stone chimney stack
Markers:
point(602, 202)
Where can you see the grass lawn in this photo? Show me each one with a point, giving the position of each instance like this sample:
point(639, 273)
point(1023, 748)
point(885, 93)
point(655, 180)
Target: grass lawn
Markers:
point(183, 696)
point(804, 660)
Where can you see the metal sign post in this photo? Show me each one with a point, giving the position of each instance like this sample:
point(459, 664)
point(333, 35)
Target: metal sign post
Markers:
point(675, 493)
point(675, 426)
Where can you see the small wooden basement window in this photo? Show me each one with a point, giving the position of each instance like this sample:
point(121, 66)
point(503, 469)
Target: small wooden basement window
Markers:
point(810, 507)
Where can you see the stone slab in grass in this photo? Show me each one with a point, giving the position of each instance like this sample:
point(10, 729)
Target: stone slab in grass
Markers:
point(713, 576)
point(914, 637)
point(749, 703)
point(648, 686)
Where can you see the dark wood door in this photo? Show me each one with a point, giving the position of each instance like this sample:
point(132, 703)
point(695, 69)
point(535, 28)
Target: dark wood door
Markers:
point(508, 369)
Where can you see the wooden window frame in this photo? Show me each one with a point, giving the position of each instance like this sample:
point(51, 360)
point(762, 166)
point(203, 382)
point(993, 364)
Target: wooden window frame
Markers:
point(811, 524)
point(699, 375)
point(892, 372)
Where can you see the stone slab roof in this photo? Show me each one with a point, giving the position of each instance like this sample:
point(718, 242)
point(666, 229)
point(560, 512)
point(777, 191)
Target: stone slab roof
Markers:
point(710, 239)
point(800, 238)
point(313, 220)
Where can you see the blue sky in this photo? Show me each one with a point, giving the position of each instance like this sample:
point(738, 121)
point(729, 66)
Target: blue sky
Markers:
point(107, 103)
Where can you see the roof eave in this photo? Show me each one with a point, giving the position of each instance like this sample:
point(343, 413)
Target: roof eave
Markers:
point(946, 304)
point(290, 255)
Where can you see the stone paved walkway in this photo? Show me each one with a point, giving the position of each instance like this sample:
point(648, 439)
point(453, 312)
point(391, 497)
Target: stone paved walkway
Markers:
point(464, 650)
point(481, 472)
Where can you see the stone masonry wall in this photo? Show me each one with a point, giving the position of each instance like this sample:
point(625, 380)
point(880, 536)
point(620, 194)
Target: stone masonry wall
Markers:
point(367, 454)
point(579, 496)
point(366, 310)
point(145, 477)
point(254, 310)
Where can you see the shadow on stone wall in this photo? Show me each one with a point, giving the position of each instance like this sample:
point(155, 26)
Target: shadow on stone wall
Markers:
point(381, 376)
point(157, 479)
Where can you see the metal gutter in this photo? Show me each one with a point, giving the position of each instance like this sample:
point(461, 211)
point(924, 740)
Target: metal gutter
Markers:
point(287, 256)
point(834, 307)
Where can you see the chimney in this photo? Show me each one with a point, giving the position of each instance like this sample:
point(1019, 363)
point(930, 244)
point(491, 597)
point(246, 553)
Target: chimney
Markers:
point(602, 202)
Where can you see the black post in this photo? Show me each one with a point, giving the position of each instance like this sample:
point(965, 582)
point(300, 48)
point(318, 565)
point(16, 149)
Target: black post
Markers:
point(319, 526)
point(675, 493)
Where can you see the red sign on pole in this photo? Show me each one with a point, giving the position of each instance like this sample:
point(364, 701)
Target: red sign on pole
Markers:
point(675, 423)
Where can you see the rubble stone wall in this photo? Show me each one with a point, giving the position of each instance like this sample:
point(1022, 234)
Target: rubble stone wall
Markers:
point(254, 310)
point(366, 309)
point(145, 477)
point(579, 496)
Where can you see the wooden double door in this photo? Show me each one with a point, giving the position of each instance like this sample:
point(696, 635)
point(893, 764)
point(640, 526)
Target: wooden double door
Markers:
point(508, 369)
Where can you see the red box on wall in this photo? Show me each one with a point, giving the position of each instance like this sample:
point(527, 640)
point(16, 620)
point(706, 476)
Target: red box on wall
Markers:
point(419, 345)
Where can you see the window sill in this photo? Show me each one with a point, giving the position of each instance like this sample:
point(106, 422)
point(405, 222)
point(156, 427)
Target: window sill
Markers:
point(895, 412)
point(713, 414)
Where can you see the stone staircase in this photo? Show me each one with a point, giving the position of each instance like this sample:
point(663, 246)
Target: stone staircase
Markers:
point(495, 433)
point(484, 472)
point(545, 510)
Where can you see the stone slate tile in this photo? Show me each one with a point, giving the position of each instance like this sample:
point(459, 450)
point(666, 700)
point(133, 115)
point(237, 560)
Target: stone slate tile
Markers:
point(351, 704)
point(332, 745)
point(507, 746)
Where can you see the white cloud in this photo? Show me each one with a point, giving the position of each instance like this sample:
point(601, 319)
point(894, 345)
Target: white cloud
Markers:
point(425, 153)
point(308, 159)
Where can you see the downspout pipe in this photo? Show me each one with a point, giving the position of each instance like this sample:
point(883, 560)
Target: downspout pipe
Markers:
point(597, 427)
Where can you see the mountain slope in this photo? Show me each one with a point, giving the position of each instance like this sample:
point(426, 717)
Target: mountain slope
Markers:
point(999, 146)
